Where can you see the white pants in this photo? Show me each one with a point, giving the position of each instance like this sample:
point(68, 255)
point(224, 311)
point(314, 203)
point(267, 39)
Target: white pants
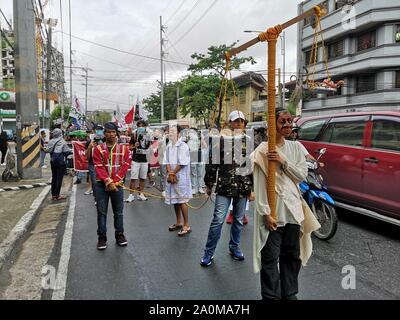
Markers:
point(139, 170)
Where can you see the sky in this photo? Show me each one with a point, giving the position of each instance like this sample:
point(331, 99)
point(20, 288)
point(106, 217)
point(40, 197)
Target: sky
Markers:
point(133, 26)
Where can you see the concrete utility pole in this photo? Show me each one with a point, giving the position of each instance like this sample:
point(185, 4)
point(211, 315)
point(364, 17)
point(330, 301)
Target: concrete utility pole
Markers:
point(283, 39)
point(162, 68)
point(26, 89)
point(86, 89)
point(70, 55)
point(280, 88)
point(46, 123)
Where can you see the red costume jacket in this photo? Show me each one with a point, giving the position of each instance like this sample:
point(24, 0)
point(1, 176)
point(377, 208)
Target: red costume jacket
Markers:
point(111, 167)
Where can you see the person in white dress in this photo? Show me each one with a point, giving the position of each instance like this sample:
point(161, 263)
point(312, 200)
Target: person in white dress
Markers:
point(178, 190)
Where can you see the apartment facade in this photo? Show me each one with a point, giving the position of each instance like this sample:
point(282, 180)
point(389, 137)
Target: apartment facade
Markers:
point(362, 47)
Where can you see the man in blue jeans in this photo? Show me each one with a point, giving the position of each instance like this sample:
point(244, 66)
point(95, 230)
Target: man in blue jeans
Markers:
point(111, 160)
point(234, 183)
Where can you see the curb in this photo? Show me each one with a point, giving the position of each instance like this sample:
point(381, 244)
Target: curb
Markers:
point(23, 225)
point(25, 187)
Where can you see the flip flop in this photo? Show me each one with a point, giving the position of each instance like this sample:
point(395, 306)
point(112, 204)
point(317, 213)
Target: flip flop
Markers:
point(184, 232)
point(174, 227)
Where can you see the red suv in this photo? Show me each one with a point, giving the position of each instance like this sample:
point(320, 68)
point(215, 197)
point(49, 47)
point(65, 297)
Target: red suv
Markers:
point(362, 161)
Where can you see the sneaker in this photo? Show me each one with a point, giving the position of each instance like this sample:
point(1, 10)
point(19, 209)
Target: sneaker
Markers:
point(88, 192)
point(78, 181)
point(206, 261)
point(44, 167)
point(194, 191)
point(202, 191)
point(236, 254)
point(142, 197)
point(130, 198)
point(121, 240)
point(229, 220)
point(245, 220)
point(102, 243)
point(152, 183)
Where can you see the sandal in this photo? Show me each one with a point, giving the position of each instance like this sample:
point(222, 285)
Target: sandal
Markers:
point(184, 232)
point(59, 198)
point(174, 227)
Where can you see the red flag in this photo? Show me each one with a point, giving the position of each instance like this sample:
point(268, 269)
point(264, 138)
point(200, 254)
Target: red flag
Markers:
point(129, 116)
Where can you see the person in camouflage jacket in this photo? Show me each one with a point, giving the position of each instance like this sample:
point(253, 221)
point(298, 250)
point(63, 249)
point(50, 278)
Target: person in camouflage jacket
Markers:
point(229, 167)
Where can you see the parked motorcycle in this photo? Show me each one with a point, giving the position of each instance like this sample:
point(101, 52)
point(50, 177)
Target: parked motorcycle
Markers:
point(321, 203)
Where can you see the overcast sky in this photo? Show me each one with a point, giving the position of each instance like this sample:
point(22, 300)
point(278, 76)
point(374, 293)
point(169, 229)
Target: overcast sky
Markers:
point(133, 26)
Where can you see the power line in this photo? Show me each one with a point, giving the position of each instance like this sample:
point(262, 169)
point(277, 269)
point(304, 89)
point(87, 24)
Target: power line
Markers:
point(175, 12)
point(197, 22)
point(122, 51)
point(114, 63)
point(185, 17)
point(5, 18)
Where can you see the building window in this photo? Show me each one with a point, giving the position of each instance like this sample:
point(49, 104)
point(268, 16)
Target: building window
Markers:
point(307, 56)
point(366, 41)
point(311, 19)
point(336, 49)
point(365, 83)
point(397, 33)
point(397, 83)
point(340, 3)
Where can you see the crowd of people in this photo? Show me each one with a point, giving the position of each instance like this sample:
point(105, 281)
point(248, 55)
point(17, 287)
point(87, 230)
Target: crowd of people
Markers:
point(191, 162)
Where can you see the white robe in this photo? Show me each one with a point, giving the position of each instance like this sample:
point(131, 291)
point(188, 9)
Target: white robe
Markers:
point(289, 205)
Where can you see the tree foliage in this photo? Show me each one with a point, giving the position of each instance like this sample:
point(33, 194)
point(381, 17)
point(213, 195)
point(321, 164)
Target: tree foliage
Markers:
point(153, 103)
point(214, 61)
point(199, 90)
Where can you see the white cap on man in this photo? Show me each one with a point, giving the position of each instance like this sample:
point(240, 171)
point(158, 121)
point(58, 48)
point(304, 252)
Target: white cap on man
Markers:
point(234, 115)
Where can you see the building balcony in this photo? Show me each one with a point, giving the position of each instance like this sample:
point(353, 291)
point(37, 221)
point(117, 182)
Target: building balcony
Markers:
point(385, 56)
point(379, 98)
point(367, 14)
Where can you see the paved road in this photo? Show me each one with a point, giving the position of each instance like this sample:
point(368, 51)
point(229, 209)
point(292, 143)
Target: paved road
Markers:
point(157, 264)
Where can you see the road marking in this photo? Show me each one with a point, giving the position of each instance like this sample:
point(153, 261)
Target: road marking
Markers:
point(62, 271)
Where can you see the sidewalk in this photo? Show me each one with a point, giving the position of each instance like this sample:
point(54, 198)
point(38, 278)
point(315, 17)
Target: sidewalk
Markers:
point(14, 204)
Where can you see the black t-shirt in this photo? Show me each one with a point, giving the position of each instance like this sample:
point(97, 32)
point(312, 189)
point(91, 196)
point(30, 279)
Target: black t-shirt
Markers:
point(90, 160)
point(140, 152)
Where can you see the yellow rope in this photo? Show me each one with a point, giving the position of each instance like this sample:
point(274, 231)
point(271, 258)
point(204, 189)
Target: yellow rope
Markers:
point(310, 80)
point(152, 195)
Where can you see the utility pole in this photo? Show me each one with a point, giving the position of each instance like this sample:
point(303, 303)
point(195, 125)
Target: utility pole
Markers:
point(70, 56)
point(162, 68)
point(46, 123)
point(283, 39)
point(86, 89)
point(280, 88)
point(177, 99)
point(26, 91)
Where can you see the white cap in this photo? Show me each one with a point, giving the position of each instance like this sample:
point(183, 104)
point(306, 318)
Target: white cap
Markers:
point(234, 115)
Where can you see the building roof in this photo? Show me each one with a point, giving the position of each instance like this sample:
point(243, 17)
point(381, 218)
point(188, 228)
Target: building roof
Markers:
point(250, 78)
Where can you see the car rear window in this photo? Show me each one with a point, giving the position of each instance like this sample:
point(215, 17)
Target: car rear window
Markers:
point(346, 131)
point(310, 129)
point(386, 133)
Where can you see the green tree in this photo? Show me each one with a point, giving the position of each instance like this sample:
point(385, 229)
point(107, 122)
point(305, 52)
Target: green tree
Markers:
point(56, 114)
point(153, 103)
point(101, 117)
point(200, 93)
point(201, 89)
point(214, 61)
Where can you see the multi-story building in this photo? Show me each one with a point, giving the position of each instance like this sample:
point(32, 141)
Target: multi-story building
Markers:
point(57, 80)
point(7, 60)
point(251, 96)
point(362, 47)
point(7, 79)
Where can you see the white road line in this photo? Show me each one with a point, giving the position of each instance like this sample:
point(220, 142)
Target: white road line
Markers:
point(62, 271)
